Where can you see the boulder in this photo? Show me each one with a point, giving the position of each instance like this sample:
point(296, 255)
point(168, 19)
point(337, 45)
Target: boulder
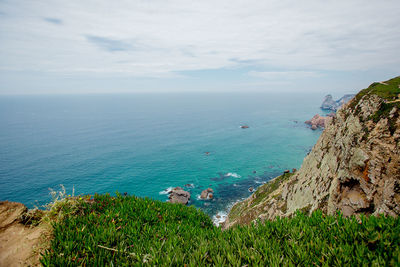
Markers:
point(207, 193)
point(178, 195)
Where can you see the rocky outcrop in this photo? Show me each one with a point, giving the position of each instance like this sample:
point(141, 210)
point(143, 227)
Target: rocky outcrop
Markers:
point(319, 121)
point(207, 194)
point(329, 104)
point(178, 195)
point(354, 167)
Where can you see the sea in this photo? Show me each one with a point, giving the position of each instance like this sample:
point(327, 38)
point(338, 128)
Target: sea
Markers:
point(146, 144)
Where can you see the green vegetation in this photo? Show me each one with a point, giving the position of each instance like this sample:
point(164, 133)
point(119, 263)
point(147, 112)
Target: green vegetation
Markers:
point(261, 194)
point(389, 91)
point(126, 230)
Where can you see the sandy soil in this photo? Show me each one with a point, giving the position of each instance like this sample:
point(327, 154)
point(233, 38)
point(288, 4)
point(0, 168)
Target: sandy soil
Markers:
point(20, 245)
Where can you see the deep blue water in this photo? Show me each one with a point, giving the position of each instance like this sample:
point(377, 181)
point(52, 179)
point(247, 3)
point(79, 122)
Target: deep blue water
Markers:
point(145, 143)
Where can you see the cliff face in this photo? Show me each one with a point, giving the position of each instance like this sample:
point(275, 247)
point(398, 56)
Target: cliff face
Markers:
point(354, 167)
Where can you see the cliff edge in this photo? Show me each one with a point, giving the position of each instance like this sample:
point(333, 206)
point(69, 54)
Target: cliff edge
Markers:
point(354, 167)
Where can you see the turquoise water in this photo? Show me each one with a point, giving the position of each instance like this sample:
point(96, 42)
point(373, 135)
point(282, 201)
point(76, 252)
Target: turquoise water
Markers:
point(144, 143)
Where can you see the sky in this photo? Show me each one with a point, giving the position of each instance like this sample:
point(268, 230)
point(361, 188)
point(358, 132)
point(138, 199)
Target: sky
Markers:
point(104, 46)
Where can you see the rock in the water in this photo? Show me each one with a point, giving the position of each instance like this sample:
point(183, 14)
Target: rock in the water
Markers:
point(207, 194)
point(251, 189)
point(318, 121)
point(329, 104)
point(178, 195)
point(286, 171)
point(244, 126)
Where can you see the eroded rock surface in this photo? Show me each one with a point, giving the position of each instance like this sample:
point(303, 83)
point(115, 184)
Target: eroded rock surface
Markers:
point(20, 245)
point(178, 195)
point(319, 121)
point(354, 167)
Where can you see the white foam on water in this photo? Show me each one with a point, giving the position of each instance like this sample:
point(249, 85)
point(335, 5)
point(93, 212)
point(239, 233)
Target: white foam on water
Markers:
point(220, 217)
point(233, 174)
point(166, 191)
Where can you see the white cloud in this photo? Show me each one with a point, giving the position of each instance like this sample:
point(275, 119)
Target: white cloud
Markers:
point(279, 75)
point(159, 38)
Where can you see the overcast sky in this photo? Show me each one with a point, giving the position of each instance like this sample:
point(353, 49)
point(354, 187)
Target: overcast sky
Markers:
point(99, 46)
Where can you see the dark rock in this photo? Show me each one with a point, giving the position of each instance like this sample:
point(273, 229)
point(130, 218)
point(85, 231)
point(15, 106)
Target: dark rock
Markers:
point(251, 189)
point(286, 171)
point(244, 126)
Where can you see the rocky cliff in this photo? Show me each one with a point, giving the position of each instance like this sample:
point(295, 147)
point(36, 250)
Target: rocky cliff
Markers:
point(354, 167)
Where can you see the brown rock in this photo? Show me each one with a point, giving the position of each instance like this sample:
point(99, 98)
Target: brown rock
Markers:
point(207, 193)
point(318, 121)
point(178, 195)
point(354, 168)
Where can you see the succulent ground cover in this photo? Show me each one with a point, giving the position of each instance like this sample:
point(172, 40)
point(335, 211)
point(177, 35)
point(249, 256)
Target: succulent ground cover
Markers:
point(127, 230)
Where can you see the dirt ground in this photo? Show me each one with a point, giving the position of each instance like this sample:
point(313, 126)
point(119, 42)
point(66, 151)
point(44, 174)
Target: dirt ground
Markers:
point(20, 245)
